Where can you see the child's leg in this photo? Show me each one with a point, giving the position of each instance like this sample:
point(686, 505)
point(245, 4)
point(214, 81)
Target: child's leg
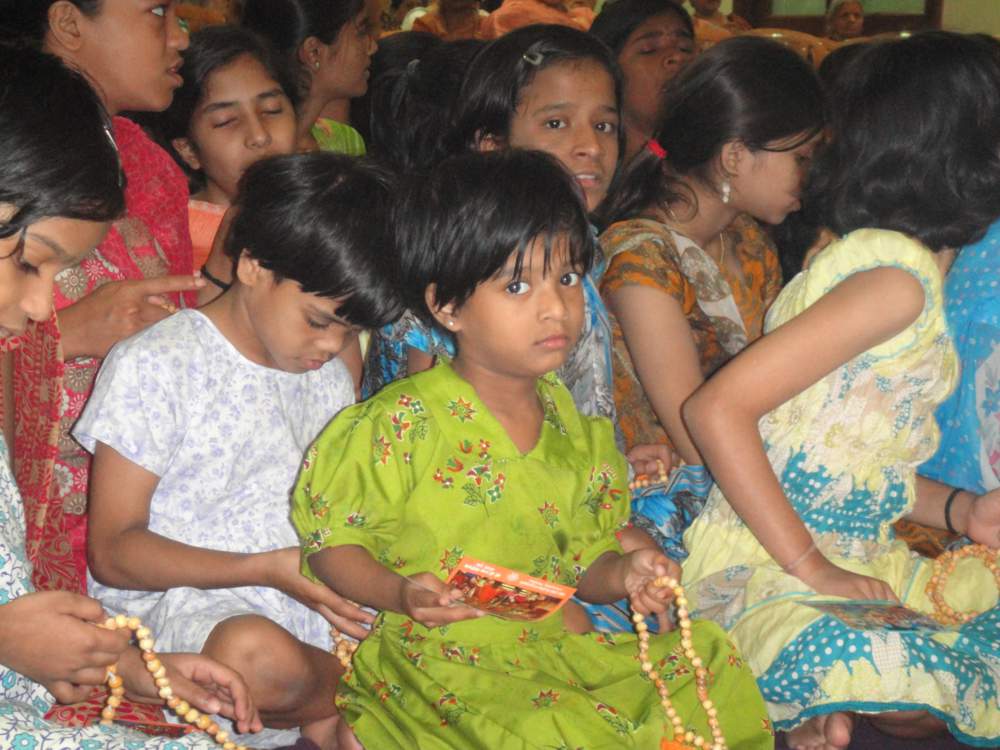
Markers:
point(915, 725)
point(833, 731)
point(292, 683)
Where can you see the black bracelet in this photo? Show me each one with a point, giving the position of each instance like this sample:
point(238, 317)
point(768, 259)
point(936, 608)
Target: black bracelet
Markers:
point(947, 510)
point(218, 282)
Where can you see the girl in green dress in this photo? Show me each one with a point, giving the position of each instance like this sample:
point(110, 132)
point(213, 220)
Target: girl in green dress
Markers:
point(486, 457)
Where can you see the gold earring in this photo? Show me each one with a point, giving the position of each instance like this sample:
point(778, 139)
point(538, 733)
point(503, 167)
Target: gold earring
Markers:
point(316, 65)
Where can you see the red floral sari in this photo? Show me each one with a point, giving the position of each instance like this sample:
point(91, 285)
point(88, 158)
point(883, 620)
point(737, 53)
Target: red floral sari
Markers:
point(51, 469)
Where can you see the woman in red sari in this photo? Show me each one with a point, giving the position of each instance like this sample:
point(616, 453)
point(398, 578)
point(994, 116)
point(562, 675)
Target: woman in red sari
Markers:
point(139, 273)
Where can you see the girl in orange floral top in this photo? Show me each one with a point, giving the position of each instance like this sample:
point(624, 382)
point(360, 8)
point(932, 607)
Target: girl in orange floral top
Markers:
point(690, 272)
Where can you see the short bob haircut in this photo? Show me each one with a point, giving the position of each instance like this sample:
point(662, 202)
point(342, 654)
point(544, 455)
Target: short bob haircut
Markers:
point(459, 226)
point(915, 141)
point(320, 219)
point(58, 158)
point(618, 20)
point(212, 48)
point(28, 20)
point(288, 23)
point(491, 92)
point(411, 106)
point(743, 89)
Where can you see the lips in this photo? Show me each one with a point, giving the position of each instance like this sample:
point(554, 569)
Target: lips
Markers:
point(174, 72)
point(557, 341)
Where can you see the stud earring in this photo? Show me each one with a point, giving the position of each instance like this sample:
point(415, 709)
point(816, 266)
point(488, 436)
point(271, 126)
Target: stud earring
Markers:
point(316, 65)
point(727, 190)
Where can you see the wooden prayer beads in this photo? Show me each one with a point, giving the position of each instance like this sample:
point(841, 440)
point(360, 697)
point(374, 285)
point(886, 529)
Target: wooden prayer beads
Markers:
point(944, 566)
point(158, 672)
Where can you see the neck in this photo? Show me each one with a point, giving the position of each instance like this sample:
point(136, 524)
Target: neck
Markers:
point(636, 136)
point(712, 216)
point(230, 315)
point(503, 394)
point(315, 107)
point(337, 109)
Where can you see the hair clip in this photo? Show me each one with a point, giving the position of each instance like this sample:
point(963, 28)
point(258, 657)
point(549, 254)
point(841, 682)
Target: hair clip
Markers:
point(533, 58)
point(114, 147)
point(657, 150)
point(412, 65)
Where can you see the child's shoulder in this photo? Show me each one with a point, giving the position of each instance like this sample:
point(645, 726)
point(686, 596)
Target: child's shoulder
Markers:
point(867, 249)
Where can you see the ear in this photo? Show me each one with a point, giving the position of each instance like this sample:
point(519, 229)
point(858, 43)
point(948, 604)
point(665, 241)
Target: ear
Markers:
point(250, 272)
point(311, 53)
point(733, 157)
point(488, 142)
point(187, 151)
point(446, 315)
point(64, 30)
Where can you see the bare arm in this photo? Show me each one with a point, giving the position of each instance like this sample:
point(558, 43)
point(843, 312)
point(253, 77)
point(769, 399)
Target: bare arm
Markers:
point(663, 351)
point(863, 311)
point(353, 573)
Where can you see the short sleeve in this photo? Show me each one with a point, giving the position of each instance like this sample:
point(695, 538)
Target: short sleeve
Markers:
point(354, 482)
point(639, 256)
point(138, 405)
point(603, 508)
point(866, 250)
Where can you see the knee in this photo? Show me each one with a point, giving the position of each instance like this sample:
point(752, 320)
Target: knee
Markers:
point(263, 652)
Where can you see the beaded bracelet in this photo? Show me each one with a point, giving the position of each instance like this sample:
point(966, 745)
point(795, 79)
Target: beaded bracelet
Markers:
point(158, 672)
point(944, 566)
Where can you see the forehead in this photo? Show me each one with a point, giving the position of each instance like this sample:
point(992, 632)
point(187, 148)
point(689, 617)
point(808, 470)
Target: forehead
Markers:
point(662, 23)
point(570, 81)
point(242, 76)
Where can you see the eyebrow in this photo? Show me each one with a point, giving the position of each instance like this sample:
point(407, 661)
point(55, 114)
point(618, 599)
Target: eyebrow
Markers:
point(562, 106)
point(327, 317)
point(54, 246)
point(216, 106)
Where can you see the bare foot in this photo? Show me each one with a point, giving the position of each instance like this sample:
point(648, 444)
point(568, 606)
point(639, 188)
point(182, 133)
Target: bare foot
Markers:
point(826, 732)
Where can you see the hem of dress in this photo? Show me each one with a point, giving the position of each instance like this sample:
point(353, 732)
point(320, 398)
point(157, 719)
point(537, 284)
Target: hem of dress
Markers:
point(873, 707)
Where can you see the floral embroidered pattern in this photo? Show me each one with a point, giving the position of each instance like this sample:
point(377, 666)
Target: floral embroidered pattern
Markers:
point(461, 410)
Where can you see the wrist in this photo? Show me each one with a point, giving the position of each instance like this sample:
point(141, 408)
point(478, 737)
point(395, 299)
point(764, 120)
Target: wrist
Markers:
point(957, 508)
point(808, 566)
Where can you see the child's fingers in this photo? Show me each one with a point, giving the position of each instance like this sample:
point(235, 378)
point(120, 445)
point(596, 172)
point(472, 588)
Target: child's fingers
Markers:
point(435, 617)
point(354, 627)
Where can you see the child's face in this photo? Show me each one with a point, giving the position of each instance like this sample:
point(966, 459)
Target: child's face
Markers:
point(768, 184)
point(296, 331)
point(653, 54)
point(343, 71)
point(569, 111)
point(131, 51)
point(27, 275)
point(243, 116)
point(522, 328)
point(848, 22)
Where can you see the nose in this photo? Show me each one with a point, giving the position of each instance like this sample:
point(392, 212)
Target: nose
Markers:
point(258, 136)
point(586, 141)
point(36, 303)
point(335, 339)
point(177, 37)
point(372, 45)
point(552, 302)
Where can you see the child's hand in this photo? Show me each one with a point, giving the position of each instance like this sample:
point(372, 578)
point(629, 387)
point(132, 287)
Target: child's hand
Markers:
point(643, 566)
point(52, 637)
point(432, 603)
point(206, 684)
point(644, 457)
point(831, 580)
point(983, 526)
point(346, 617)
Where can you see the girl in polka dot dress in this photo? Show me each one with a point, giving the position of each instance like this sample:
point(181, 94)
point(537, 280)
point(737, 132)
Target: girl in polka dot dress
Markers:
point(815, 432)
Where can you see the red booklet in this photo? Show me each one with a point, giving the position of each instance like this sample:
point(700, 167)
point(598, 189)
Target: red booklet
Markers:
point(507, 593)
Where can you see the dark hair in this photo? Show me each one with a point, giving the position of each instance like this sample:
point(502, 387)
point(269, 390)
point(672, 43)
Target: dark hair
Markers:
point(288, 23)
point(491, 92)
point(744, 89)
point(619, 19)
point(320, 219)
point(211, 48)
point(27, 21)
point(394, 53)
point(58, 157)
point(411, 106)
point(459, 226)
point(915, 141)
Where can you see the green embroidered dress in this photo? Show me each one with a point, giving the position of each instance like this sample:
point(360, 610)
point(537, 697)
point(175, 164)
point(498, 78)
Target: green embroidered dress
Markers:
point(422, 474)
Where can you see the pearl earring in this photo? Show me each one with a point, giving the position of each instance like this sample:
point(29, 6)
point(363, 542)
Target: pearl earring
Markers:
point(727, 190)
point(316, 65)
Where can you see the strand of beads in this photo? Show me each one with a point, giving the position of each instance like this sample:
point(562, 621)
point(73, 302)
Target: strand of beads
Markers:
point(682, 738)
point(944, 566)
point(643, 480)
point(343, 649)
point(158, 672)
